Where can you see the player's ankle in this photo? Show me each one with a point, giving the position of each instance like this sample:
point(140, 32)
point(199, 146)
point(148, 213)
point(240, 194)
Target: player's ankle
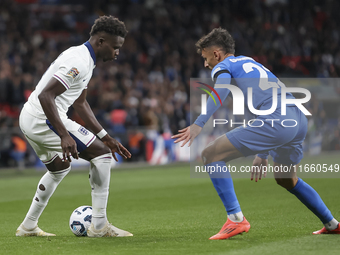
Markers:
point(29, 224)
point(333, 224)
point(236, 217)
point(99, 223)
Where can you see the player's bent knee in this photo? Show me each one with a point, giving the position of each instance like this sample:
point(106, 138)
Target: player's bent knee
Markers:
point(287, 183)
point(220, 150)
point(206, 155)
point(57, 164)
point(279, 181)
point(210, 155)
point(104, 149)
point(97, 148)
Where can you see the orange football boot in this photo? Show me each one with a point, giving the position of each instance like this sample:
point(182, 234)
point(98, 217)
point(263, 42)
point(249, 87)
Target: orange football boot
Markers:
point(325, 231)
point(231, 228)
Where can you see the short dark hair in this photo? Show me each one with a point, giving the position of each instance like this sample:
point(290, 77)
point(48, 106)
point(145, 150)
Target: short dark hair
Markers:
point(217, 37)
point(110, 25)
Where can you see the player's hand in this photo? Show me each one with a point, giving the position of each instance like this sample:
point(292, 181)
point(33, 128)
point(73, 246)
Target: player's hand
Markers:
point(69, 147)
point(257, 168)
point(187, 134)
point(116, 147)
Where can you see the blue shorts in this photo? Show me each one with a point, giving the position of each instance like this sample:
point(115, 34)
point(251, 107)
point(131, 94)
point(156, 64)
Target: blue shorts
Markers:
point(283, 143)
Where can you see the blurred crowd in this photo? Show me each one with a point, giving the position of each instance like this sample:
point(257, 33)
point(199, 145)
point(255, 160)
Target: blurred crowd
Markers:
point(148, 86)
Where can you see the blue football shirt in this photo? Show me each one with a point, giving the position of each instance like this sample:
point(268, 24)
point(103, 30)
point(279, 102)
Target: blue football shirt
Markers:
point(244, 72)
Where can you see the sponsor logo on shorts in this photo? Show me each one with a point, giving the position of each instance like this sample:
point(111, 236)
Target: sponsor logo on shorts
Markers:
point(83, 131)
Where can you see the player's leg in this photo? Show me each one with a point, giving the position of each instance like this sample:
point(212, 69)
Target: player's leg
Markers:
point(220, 150)
point(100, 158)
point(39, 135)
point(46, 187)
point(214, 156)
point(289, 155)
point(286, 176)
point(308, 196)
point(242, 141)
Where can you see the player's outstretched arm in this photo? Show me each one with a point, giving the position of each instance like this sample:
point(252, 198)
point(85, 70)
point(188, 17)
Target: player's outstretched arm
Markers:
point(84, 110)
point(53, 89)
point(187, 134)
point(258, 169)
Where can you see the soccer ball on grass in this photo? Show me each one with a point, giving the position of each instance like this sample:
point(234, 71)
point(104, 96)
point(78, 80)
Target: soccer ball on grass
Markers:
point(80, 220)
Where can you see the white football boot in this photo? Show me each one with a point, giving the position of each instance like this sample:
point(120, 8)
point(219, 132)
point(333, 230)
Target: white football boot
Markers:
point(22, 231)
point(107, 230)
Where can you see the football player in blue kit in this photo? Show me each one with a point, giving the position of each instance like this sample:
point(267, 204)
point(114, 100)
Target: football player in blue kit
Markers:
point(283, 143)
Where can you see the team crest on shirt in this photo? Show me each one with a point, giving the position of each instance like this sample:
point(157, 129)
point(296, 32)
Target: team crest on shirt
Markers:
point(83, 131)
point(73, 72)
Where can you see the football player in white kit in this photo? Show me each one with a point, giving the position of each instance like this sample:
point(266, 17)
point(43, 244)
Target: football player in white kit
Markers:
point(55, 138)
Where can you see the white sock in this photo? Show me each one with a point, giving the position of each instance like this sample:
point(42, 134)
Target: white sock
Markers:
point(100, 171)
point(236, 217)
point(333, 224)
point(46, 186)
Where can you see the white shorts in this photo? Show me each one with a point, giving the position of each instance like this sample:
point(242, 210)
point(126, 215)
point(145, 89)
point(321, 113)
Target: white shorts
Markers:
point(44, 140)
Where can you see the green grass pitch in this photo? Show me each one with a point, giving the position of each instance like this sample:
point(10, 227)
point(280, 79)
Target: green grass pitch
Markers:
point(169, 213)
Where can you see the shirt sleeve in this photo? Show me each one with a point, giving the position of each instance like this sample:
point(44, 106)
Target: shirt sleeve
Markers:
point(223, 77)
point(71, 72)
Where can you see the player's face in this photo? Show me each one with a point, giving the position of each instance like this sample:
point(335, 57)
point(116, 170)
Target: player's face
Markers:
point(211, 57)
point(110, 47)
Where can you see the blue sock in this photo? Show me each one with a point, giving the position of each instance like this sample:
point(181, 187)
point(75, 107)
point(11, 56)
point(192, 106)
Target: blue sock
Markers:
point(310, 198)
point(224, 186)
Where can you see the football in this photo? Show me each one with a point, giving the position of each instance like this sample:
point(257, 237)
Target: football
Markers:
point(80, 220)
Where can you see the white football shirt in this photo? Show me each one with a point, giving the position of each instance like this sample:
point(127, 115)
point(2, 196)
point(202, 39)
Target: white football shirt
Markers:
point(73, 68)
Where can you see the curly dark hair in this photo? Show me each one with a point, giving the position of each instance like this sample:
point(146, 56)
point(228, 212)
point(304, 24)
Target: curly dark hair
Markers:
point(110, 25)
point(217, 37)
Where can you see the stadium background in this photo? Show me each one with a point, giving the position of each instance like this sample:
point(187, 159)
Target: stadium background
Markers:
point(143, 97)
